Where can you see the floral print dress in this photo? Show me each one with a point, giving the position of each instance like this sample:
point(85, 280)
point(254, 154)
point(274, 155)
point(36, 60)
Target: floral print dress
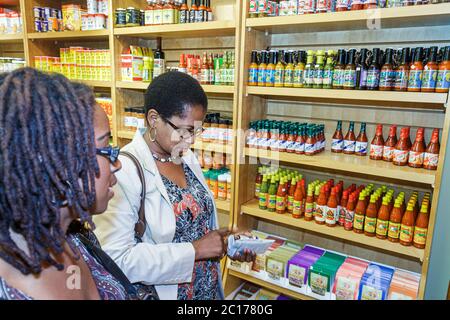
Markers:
point(193, 207)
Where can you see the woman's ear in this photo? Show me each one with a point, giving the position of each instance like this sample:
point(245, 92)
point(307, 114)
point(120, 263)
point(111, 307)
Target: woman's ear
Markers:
point(152, 116)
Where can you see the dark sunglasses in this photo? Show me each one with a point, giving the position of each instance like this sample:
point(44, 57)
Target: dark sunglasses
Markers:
point(192, 132)
point(110, 152)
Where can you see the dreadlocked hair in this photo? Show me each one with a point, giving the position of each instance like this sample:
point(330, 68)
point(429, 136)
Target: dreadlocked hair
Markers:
point(47, 161)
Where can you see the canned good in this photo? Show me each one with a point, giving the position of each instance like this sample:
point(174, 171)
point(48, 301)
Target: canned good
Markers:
point(90, 21)
point(102, 7)
point(92, 7)
point(133, 17)
point(47, 12)
point(99, 21)
point(38, 12)
point(37, 25)
point(45, 25)
point(121, 17)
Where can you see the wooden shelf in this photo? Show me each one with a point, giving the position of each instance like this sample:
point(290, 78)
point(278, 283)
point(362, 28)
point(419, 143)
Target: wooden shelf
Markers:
point(353, 96)
point(190, 30)
point(401, 17)
point(70, 35)
point(214, 147)
point(136, 85)
point(252, 208)
point(223, 205)
point(96, 84)
point(350, 163)
point(270, 286)
point(11, 38)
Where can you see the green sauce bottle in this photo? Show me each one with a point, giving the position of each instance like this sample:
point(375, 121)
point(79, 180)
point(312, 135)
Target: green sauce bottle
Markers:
point(328, 70)
point(272, 203)
point(299, 70)
point(264, 193)
point(309, 70)
point(318, 69)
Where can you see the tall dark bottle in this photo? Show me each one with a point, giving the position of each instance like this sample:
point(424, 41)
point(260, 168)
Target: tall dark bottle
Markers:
point(387, 75)
point(373, 73)
point(402, 71)
point(361, 70)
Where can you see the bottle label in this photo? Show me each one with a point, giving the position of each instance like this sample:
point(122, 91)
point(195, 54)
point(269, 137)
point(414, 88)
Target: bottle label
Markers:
point(299, 147)
point(370, 225)
point(429, 78)
point(273, 143)
point(388, 153)
point(342, 215)
point(261, 76)
point(349, 216)
point(350, 78)
point(394, 230)
point(231, 76)
point(211, 75)
point(382, 227)
point(281, 204)
point(337, 145)
point(263, 200)
point(309, 148)
point(358, 222)
point(279, 77)
point(290, 146)
point(416, 158)
point(288, 78)
point(363, 78)
point(149, 17)
point(297, 275)
point(297, 208)
point(373, 78)
point(376, 151)
point(401, 79)
point(387, 79)
point(361, 147)
point(257, 189)
point(158, 16)
point(272, 204)
point(338, 78)
point(253, 6)
point(420, 235)
point(199, 16)
point(415, 79)
point(443, 79)
point(168, 16)
point(430, 159)
point(298, 77)
point(320, 213)
point(401, 156)
point(270, 77)
point(318, 77)
point(349, 146)
point(331, 216)
point(406, 233)
point(328, 77)
point(205, 76)
point(183, 16)
point(309, 77)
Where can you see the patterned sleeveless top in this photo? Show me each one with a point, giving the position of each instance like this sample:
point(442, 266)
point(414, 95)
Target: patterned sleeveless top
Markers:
point(108, 287)
point(193, 208)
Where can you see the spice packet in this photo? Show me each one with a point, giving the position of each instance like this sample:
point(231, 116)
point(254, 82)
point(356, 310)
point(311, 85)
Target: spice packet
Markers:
point(237, 244)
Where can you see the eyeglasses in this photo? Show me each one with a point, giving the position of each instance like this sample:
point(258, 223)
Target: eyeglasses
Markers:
point(110, 152)
point(186, 133)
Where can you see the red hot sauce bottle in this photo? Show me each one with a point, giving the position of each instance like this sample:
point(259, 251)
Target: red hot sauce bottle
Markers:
point(431, 158)
point(361, 142)
point(417, 152)
point(377, 145)
point(401, 151)
point(389, 146)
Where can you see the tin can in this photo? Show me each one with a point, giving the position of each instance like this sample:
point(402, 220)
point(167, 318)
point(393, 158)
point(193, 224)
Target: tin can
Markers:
point(99, 21)
point(121, 17)
point(54, 13)
point(102, 7)
point(84, 22)
point(38, 12)
point(92, 7)
point(133, 17)
point(47, 12)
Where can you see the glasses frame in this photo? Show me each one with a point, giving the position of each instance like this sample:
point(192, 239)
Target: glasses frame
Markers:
point(110, 152)
point(193, 133)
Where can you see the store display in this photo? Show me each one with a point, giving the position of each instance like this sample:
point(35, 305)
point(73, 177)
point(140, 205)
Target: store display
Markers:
point(217, 130)
point(11, 64)
point(10, 21)
point(107, 105)
point(134, 118)
point(78, 63)
point(238, 244)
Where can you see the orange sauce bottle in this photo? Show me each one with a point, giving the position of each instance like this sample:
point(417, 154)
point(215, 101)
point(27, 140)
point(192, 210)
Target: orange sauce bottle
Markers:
point(370, 223)
point(343, 208)
point(416, 72)
point(389, 145)
point(297, 211)
point(332, 211)
point(443, 77)
point(407, 227)
point(430, 71)
point(401, 151)
point(360, 214)
point(309, 204)
point(321, 206)
point(431, 157)
point(383, 220)
point(417, 152)
point(421, 228)
point(281, 197)
point(377, 145)
point(350, 212)
point(394, 222)
point(291, 194)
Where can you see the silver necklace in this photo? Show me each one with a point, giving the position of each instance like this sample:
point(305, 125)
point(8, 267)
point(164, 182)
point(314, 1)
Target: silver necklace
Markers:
point(162, 160)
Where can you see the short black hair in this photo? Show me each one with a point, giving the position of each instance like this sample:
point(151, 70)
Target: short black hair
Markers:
point(171, 93)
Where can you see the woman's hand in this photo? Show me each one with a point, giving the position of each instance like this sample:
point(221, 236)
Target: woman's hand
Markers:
point(211, 246)
point(246, 255)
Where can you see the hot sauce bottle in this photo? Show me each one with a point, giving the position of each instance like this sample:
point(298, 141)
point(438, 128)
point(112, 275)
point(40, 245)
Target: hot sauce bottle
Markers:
point(337, 145)
point(417, 152)
point(407, 226)
point(281, 197)
point(298, 201)
point(309, 70)
point(292, 137)
point(383, 220)
point(264, 193)
point(361, 70)
point(299, 70)
point(339, 70)
point(350, 140)
point(430, 71)
point(431, 157)
point(421, 228)
point(350, 71)
point(328, 70)
point(332, 211)
point(373, 72)
point(310, 142)
point(258, 182)
point(402, 72)
point(370, 4)
point(343, 208)
point(350, 213)
point(279, 71)
point(370, 223)
point(289, 71)
point(262, 69)
point(387, 75)
point(300, 141)
point(270, 70)
point(193, 12)
point(272, 199)
point(389, 146)
point(402, 149)
point(210, 14)
point(377, 145)
point(321, 207)
point(394, 222)
point(341, 5)
point(361, 142)
point(360, 213)
point(319, 69)
point(253, 70)
point(416, 72)
point(443, 77)
point(357, 5)
point(309, 204)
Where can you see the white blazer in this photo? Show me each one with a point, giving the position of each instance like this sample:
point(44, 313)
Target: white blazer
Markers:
point(156, 260)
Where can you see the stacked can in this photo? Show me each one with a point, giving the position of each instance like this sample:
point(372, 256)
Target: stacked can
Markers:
point(96, 17)
point(47, 19)
point(10, 21)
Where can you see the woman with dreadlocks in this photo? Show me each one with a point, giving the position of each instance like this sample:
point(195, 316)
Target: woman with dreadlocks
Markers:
point(56, 168)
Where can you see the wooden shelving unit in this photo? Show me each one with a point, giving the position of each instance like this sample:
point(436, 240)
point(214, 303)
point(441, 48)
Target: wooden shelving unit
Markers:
point(135, 85)
point(223, 205)
point(71, 35)
point(11, 38)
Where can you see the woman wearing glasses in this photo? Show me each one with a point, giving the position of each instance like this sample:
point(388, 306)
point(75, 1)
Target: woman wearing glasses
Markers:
point(181, 246)
point(56, 170)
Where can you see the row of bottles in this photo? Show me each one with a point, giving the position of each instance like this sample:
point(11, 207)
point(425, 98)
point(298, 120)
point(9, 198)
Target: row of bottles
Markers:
point(219, 182)
point(290, 137)
point(361, 209)
point(217, 130)
point(406, 69)
point(400, 152)
point(217, 69)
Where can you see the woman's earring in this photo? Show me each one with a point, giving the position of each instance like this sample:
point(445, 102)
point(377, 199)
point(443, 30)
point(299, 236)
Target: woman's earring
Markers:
point(152, 136)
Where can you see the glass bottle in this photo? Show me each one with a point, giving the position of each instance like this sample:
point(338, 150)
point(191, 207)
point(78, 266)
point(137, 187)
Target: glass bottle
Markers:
point(360, 214)
point(401, 151)
point(270, 70)
point(309, 70)
point(389, 145)
point(337, 146)
point(417, 152)
point(262, 69)
point(184, 12)
point(253, 70)
point(361, 69)
point(387, 76)
point(279, 71)
point(377, 145)
point(361, 141)
point(402, 71)
point(443, 77)
point(421, 228)
point(328, 70)
point(350, 140)
point(339, 69)
point(289, 71)
point(350, 71)
point(318, 69)
point(299, 70)
point(193, 11)
point(373, 72)
point(210, 13)
point(416, 72)
point(430, 71)
point(431, 157)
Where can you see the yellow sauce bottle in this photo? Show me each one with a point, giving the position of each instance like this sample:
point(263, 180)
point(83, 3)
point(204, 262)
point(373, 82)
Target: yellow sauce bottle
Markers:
point(279, 71)
point(289, 71)
point(299, 70)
